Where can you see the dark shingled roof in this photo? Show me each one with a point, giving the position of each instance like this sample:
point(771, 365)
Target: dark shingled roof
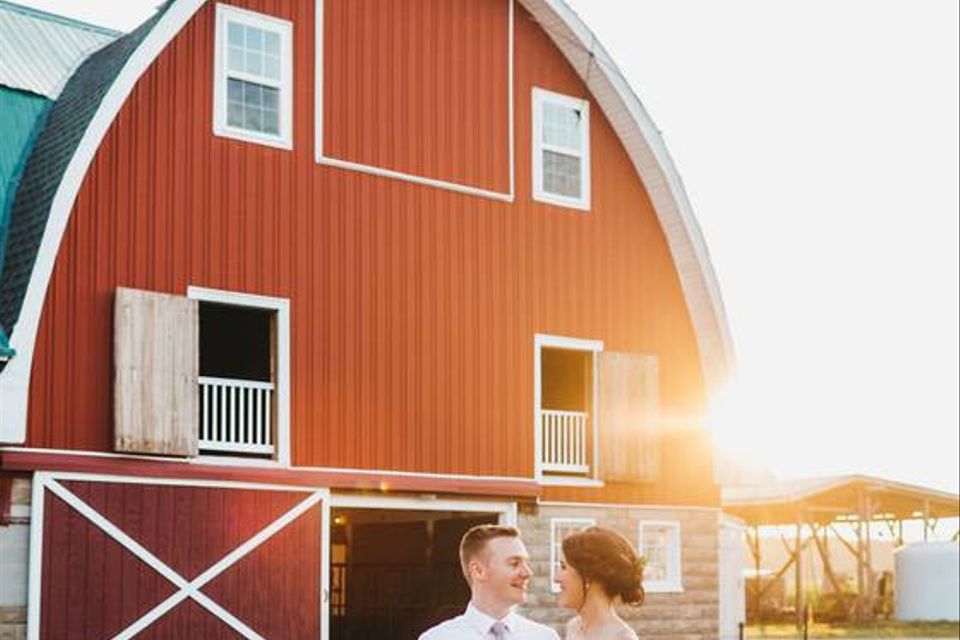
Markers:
point(66, 123)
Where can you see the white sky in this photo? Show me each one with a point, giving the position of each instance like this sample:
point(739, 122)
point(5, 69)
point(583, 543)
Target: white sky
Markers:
point(818, 142)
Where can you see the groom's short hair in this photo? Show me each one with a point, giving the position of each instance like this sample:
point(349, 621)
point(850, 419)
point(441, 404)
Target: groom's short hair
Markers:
point(474, 542)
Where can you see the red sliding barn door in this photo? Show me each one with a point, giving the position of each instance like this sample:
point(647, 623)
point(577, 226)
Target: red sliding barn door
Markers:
point(123, 557)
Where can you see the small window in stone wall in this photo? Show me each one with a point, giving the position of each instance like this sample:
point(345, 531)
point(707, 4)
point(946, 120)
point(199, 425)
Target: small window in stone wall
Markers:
point(659, 544)
point(560, 528)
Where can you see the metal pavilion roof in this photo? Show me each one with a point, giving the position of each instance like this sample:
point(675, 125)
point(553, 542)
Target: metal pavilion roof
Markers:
point(834, 498)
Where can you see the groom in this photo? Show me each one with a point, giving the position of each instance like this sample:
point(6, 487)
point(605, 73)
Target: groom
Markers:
point(494, 562)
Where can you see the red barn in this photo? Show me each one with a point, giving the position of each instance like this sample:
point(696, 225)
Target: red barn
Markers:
point(298, 291)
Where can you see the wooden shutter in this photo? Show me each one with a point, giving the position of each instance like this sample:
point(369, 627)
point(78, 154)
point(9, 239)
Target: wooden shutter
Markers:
point(629, 417)
point(156, 358)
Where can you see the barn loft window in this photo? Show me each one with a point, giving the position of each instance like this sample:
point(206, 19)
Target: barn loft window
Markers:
point(206, 373)
point(565, 403)
point(237, 387)
point(561, 149)
point(253, 77)
point(243, 368)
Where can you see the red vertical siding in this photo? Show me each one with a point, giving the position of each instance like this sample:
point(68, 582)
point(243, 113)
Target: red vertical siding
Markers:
point(413, 309)
point(419, 87)
point(93, 587)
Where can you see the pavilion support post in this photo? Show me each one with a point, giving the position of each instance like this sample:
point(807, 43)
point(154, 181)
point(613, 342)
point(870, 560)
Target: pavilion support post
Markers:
point(755, 552)
point(868, 559)
point(800, 597)
point(926, 520)
point(859, 554)
point(824, 549)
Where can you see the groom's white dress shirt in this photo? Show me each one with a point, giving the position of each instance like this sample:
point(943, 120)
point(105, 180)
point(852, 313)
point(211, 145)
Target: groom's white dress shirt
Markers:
point(476, 625)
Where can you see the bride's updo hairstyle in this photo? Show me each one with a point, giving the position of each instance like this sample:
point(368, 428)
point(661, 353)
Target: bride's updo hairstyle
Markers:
point(606, 558)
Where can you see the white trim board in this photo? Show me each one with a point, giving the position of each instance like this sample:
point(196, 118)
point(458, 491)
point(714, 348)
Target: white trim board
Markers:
point(44, 481)
point(322, 158)
point(506, 510)
point(618, 505)
point(256, 464)
point(282, 308)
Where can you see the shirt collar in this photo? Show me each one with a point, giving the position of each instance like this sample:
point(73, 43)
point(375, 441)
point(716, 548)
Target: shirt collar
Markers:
point(482, 622)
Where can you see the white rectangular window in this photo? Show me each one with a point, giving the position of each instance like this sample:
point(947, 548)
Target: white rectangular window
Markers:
point(560, 528)
point(659, 545)
point(561, 149)
point(253, 71)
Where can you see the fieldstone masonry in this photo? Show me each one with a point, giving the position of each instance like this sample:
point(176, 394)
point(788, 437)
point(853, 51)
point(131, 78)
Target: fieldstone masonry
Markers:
point(690, 615)
point(14, 560)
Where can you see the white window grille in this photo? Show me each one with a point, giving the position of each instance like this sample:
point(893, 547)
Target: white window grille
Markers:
point(659, 544)
point(560, 528)
point(253, 71)
point(561, 149)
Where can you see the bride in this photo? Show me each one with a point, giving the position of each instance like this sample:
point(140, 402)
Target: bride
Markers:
point(599, 569)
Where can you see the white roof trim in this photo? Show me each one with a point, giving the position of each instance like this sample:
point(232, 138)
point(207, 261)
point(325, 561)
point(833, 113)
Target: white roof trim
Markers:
point(647, 150)
point(629, 119)
point(15, 377)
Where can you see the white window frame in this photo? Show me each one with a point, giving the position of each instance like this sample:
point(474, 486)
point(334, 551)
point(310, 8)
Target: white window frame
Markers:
point(540, 98)
point(674, 580)
point(283, 28)
point(555, 524)
point(540, 342)
point(281, 306)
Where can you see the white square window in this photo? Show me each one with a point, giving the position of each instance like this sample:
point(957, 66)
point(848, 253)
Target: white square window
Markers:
point(561, 149)
point(560, 528)
point(253, 71)
point(659, 545)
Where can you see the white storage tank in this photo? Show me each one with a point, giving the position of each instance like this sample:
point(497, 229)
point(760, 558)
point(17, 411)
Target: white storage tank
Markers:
point(928, 581)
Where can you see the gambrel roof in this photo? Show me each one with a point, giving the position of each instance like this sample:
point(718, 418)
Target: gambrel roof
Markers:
point(39, 51)
point(55, 147)
point(94, 95)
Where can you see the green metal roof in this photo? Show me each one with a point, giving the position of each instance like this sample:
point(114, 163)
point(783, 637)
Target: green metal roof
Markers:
point(23, 113)
point(5, 351)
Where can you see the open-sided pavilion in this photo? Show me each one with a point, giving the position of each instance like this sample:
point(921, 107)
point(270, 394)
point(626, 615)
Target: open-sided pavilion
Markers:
point(816, 507)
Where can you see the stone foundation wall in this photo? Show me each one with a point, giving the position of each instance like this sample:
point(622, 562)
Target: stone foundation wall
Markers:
point(690, 615)
point(14, 560)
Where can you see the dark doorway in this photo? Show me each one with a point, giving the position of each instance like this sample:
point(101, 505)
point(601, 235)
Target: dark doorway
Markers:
point(394, 574)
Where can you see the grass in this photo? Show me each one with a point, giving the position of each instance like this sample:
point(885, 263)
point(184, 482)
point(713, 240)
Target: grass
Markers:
point(883, 629)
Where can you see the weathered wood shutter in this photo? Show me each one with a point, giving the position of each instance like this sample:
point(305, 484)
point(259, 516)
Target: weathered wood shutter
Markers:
point(156, 358)
point(629, 427)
